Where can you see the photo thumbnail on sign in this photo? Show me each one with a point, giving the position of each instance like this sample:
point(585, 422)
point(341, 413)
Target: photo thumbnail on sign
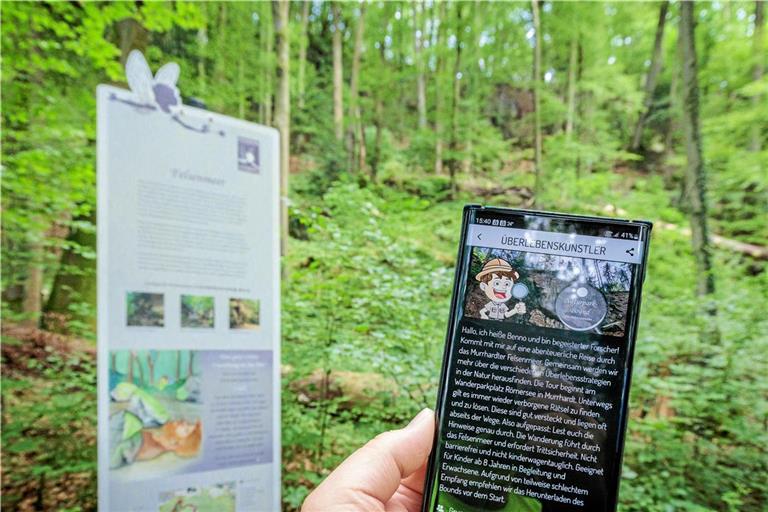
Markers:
point(244, 314)
point(197, 311)
point(145, 309)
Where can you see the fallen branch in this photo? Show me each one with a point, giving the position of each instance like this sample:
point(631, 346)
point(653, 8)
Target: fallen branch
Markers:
point(758, 252)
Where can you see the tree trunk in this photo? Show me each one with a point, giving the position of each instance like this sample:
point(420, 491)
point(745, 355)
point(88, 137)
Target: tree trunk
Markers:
point(75, 279)
point(672, 127)
point(338, 75)
point(573, 63)
point(418, 45)
point(453, 161)
point(269, 44)
point(650, 80)
point(178, 365)
point(283, 108)
point(758, 70)
point(191, 367)
point(696, 185)
point(202, 76)
point(439, 91)
point(219, 65)
point(378, 121)
point(362, 150)
point(354, 135)
point(33, 286)
point(240, 88)
point(537, 143)
point(581, 110)
point(132, 35)
point(303, 43)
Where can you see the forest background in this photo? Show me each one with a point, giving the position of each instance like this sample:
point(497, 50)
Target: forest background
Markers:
point(394, 115)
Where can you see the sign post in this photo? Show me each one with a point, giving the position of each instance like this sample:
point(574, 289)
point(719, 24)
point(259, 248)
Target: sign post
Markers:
point(188, 303)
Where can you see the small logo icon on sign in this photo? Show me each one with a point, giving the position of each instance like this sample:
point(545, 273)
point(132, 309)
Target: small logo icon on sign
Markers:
point(248, 155)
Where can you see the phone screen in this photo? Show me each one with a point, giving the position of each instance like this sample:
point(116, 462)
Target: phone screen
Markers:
point(532, 405)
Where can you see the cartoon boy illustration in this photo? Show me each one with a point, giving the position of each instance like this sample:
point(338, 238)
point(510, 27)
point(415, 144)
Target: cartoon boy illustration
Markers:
point(496, 280)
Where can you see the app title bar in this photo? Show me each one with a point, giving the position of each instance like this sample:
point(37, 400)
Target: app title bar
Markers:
point(560, 244)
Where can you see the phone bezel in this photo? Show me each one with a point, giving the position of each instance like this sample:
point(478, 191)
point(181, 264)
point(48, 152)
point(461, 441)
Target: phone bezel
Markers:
point(633, 313)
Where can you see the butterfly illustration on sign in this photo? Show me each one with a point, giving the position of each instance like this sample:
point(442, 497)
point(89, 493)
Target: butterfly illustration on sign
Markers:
point(158, 92)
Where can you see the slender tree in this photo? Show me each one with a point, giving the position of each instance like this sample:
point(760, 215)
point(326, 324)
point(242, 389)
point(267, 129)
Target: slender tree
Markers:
point(378, 123)
point(338, 74)
point(453, 160)
point(268, 45)
point(573, 65)
point(280, 13)
point(440, 64)
point(378, 119)
point(695, 179)
point(758, 52)
point(302, 61)
point(651, 77)
point(33, 285)
point(219, 47)
point(202, 72)
point(418, 47)
point(355, 136)
point(76, 276)
point(672, 125)
point(537, 142)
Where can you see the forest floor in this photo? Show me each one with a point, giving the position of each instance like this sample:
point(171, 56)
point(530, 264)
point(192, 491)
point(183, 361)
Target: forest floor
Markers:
point(39, 369)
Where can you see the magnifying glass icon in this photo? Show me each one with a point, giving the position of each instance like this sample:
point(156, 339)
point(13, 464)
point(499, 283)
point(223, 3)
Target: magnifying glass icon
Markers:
point(519, 291)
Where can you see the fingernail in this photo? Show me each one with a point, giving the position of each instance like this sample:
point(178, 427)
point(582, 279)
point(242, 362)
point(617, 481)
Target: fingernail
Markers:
point(422, 416)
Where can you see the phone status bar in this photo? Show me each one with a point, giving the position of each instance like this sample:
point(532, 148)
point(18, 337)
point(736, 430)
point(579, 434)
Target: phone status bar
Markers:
point(605, 230)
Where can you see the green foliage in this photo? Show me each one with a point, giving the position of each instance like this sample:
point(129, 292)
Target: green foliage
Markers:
point(49, 411)
point(362, 298)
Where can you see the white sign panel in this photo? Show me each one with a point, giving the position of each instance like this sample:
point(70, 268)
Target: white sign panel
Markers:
point(188, 303)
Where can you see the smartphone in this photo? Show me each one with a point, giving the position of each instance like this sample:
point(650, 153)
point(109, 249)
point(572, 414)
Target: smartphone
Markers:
point(532, 403)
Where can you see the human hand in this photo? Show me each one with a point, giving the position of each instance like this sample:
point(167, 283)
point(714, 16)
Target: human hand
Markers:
point(387, 474)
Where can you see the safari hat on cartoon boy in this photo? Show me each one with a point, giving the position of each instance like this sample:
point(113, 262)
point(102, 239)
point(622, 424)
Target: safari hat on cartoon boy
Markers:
point(496, 265)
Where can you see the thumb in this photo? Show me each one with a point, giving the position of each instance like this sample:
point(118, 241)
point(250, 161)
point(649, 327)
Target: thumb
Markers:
point(371, 475)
